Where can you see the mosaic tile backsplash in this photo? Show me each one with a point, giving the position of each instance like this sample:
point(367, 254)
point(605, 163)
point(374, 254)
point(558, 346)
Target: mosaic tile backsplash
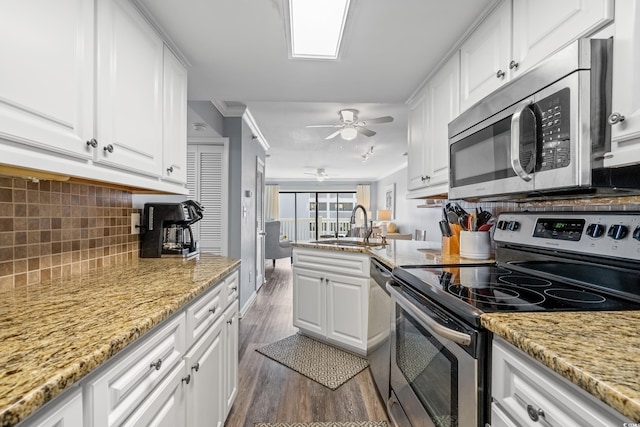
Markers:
point(52, 230)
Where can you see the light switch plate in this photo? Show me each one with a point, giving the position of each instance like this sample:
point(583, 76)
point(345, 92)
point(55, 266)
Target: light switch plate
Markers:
point(135, 223)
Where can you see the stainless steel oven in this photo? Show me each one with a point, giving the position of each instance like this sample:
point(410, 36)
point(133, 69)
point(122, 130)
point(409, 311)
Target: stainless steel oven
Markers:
point(544, 133)
point(437, 365)
point(545, 261)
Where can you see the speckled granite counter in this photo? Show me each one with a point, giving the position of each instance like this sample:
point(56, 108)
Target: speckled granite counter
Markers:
point(399, 252)
point(598, 351)
point(54, 333)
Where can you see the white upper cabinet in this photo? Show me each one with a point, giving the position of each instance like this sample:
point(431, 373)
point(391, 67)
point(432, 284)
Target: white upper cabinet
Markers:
point(129, 88)
point(541, 27)
point(512, 39)
point(625, 103)
point(174, 134)
point(46, 77)
point(429, 115)
point(485, 56)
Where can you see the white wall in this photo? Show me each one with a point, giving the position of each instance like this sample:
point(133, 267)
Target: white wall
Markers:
point(408, 217)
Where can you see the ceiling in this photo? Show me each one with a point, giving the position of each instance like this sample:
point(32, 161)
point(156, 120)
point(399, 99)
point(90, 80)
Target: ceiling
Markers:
point(237, 50)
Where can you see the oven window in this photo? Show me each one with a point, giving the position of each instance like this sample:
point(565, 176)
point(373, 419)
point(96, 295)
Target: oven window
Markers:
point(483, 156)
point(429, 368)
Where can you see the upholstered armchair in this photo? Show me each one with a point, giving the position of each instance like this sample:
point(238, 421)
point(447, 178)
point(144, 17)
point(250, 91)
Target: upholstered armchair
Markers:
point(274, 248)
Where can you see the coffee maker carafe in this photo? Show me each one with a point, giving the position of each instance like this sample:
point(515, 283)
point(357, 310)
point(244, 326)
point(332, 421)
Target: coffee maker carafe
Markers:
point(166, 229)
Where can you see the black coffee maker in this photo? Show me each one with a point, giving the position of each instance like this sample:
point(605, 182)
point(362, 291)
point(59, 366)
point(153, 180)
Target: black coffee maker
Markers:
point(166, 229)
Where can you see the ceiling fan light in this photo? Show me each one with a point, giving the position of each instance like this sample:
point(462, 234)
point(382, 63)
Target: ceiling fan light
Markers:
point(348, 133)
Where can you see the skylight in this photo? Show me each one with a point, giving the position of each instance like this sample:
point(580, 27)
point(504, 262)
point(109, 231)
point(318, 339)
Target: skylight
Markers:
point(316, 27)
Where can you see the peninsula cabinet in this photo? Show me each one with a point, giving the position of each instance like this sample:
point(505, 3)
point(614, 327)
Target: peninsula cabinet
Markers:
point(527, 393)
point(625, 102)
point(84, 94)
point(331, 298)
point(519, 34)
point(65, 411)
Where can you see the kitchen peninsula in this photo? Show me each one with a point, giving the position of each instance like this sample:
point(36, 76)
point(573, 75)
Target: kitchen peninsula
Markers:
point(56, 332)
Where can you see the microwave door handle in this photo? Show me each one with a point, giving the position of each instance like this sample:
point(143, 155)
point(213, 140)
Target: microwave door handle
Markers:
point(515, 140)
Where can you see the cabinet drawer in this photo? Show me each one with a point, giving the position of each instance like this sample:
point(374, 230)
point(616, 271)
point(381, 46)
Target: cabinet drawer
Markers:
point(352, 264)
point(531, 394)
point(231, 288)
point(117, 393)
point(203, 313)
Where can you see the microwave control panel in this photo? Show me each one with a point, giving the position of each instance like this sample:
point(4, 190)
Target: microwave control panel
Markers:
point(554, 111)
point(611, 234)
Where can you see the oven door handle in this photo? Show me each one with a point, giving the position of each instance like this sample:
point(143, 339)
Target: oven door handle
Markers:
point(455, 336)
point(516, 118)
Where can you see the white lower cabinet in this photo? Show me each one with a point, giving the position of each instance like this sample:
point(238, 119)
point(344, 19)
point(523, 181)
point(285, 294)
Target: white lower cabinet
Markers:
point(527, 393)
point(66, 411)
point(332, 298)
point(231, 318)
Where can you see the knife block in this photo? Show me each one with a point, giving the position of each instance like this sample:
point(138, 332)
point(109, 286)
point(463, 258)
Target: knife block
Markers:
point(451, 245)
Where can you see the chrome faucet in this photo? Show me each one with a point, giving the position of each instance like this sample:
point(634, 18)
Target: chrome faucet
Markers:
point(368, 230)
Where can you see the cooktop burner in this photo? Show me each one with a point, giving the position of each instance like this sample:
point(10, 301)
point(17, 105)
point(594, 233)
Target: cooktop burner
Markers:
point(472, 290)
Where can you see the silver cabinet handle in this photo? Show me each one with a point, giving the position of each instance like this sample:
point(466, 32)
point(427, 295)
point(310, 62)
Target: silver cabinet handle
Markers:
point(516, 165)
point(534, 413)
point(513, 64)
point(195, 367)
point(500, 74)
point(93, 143)
point(156, 364)
point(212, 310)
point(187, 379)
point(108, 148)
point(230, 321)
point(234, 288)
point(615, 118)
point(170, 169)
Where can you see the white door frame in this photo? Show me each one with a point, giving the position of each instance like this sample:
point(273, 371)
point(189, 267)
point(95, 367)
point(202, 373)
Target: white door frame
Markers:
point(260, 234)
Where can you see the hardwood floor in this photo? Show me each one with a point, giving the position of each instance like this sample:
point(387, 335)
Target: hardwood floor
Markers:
point(271, 392)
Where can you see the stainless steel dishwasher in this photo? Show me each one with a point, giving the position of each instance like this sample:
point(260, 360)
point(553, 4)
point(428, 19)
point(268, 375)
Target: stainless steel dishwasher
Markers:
point(380, 356)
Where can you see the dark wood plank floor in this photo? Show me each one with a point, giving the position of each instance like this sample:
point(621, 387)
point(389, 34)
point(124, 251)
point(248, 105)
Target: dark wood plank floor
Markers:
point(270, 392)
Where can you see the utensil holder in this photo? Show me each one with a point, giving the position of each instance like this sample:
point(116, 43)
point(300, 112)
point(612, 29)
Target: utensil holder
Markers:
point(451, 245)
point(475, 244)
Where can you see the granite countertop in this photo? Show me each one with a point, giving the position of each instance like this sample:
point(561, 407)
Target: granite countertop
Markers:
point(54, 333)
point(397, 253)
point(598, 351)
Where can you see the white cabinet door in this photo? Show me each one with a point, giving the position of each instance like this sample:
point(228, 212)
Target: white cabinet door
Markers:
point(625, 134)
point(416, 167)
point(46, 77)
point(165, 406)
point(66, 412)
point(230, 356)
point(204, 393)
point(485, 56)
point(347, 302)
point(541, 27)
point(443, 105)
point(174, 135)
point(309, 301)
point(207, 183)
point(129, 90)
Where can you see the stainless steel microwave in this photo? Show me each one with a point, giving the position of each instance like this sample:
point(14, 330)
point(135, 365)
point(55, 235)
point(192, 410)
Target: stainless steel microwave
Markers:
point(543, 134)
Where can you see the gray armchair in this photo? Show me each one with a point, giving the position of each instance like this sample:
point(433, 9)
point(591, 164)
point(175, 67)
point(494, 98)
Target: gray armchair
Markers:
point(274, 248)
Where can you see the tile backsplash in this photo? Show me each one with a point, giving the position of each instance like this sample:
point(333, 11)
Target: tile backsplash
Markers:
point(51, 229)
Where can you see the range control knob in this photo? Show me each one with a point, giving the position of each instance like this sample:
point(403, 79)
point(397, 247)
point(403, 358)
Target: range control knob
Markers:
point(636, 233)
point(596, 230)
point(502, 225)
point(513, 225)
point(618, 231)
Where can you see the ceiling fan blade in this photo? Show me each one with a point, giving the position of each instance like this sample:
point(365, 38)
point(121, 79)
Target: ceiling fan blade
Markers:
point(333, 135)
point(324, 126)
point(385, 119)
point(365, 131)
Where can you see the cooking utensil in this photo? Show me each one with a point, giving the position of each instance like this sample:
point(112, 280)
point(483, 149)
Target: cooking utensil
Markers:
point(445, 229)
point(485, 227)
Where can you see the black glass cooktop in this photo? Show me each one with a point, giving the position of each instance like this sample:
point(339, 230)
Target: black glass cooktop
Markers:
point(470, 291)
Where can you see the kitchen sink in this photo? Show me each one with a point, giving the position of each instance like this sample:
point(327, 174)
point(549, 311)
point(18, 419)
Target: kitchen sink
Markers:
point(347, 242)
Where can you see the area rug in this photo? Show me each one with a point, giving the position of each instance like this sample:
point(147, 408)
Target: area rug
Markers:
point(320, 362)
point(326, 424)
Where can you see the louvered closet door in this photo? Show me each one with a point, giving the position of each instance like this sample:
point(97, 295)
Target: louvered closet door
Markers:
point(207, 181)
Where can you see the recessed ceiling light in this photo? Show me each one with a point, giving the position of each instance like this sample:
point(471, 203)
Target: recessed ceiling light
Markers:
point(316, 27)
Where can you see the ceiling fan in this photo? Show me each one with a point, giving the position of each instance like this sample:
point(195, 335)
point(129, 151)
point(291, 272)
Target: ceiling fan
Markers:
point(350, 127)
point(320, 174)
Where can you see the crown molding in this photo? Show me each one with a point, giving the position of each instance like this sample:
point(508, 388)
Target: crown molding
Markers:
point(250, 121)
point(229, 110)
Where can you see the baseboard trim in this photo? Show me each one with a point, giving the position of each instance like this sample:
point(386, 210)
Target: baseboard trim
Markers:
point(248, 304)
